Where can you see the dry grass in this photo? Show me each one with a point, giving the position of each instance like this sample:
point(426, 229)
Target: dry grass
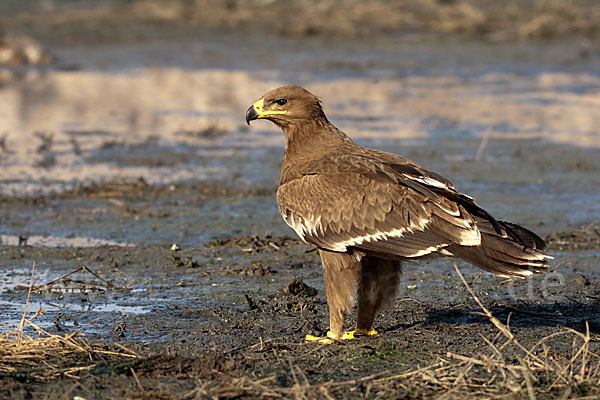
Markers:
point(44, 356)
point(68, 282)
point(505, 369)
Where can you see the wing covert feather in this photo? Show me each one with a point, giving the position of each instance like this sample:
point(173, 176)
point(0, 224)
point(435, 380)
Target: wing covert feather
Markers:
point(341, 210)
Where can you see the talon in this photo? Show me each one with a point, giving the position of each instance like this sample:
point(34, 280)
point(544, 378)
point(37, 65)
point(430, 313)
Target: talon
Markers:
point(348, 336)
point(369, 332)
point(330, 338)
point(351, 335)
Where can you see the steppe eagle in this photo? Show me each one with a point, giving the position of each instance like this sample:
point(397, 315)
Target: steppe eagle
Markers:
point(367, 210)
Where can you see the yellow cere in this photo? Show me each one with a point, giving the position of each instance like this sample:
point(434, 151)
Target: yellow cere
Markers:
point(258, 107)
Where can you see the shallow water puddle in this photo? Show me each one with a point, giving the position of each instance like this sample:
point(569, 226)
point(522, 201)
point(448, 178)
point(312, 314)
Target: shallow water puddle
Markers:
point(99, 300)
point(79, 305)
point(57, 241)
point(15, 312)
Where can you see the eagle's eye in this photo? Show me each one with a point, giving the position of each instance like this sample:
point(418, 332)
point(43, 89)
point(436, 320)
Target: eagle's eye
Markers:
point(281, 102)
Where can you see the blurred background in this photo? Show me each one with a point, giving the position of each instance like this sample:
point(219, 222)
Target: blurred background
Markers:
point(487, 92)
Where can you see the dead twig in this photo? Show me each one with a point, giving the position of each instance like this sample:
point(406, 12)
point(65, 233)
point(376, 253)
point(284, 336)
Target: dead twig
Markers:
point(82, 284)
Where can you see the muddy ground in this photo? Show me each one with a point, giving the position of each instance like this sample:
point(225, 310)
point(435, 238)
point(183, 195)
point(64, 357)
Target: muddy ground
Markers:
point(232, 303)
point(132, 140)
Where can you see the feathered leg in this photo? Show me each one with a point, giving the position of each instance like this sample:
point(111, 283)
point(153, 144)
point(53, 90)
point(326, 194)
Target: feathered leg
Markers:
point(377, 290)
point(342, 274)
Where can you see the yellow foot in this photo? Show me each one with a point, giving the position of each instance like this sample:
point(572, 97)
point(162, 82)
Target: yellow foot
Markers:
point(364, 332)
point(331, 337)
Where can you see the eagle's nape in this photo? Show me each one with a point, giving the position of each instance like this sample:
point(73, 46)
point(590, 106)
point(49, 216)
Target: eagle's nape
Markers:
point(367, 210)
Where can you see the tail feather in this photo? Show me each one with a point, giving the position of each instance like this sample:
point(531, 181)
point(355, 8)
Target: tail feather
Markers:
point(501, 254)
point(529, 238)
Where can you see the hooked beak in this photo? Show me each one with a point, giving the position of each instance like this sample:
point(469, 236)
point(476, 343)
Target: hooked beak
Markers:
point(256, 111)
point(251, 114)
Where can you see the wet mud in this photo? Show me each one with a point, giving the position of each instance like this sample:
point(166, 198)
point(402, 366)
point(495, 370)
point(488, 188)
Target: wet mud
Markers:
point(131, 187)
point(229, 305)
point(235, 302)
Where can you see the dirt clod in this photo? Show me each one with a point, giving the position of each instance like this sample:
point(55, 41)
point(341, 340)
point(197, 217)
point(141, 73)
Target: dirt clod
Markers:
point(581, 280)
point(255, 243)
point(585, 238)
point(187, 262)
point(258, 269)
point(297, 287)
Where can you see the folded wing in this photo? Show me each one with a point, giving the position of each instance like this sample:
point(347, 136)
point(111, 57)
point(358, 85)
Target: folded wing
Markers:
point(343, 210)
point(403, 211)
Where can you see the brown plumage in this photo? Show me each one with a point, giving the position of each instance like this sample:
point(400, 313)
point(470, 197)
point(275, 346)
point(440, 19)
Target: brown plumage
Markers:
point(367, 210)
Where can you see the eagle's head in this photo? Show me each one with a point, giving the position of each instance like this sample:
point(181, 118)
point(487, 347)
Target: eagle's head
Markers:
point(287, 105)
